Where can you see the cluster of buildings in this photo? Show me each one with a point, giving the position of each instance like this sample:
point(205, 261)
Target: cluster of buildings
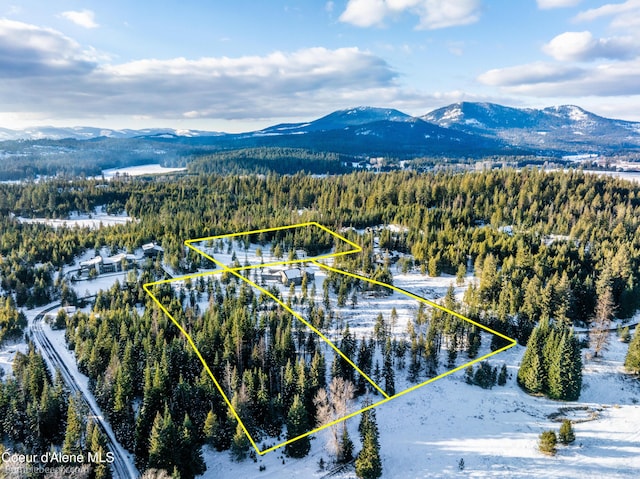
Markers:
point(119, 262)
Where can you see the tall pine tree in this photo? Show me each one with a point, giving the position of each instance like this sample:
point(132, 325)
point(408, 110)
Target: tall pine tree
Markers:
point(368, 462)
point(297, 424)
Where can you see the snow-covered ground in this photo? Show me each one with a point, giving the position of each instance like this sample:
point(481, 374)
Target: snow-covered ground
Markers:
point(425, 433)
point(96, 220)
point(153, 169)
point(7, 354)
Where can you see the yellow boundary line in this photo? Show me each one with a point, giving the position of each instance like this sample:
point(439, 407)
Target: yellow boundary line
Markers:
point(314, 260)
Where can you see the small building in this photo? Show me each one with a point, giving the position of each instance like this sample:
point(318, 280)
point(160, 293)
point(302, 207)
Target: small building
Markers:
point(151, 250)
point(271, 275)
point(295, 275)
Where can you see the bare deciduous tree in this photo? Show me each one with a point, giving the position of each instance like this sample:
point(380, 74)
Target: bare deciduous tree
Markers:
point(605, 309)
point(334, 406)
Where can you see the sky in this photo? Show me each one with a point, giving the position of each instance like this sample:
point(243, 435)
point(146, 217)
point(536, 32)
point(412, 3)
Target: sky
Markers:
point(244, 65)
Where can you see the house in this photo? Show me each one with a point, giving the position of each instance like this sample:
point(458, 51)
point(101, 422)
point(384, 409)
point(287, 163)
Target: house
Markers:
point(151, 250)
point(271, 275)
point(294, 275)
point(117, 263)
point(93, 263)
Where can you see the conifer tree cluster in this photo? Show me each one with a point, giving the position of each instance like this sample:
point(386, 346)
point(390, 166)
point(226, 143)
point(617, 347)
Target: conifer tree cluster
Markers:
point(33, 408)
point(134, 355)
point(38, 415)
point(552, 363)
point(485, 375)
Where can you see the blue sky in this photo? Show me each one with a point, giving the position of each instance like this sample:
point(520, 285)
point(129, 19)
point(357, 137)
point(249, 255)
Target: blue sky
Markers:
point(241, 65)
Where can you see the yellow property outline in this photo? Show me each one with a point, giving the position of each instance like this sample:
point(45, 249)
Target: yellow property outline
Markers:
point(315, 261)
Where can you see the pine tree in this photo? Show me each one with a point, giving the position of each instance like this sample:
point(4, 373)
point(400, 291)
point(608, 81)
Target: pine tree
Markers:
point(368, 463)
point(73, 438)
point(210, 428)
point(474, 341)
point(297, 424)
point(547, 442)
point(98, 446)
point(566, 435)
point(502, 377)
point(239, 445)
point(565, 376)
point(388, 373)
point(531, 375)
point(364, 363)
point(190, 462)
point(605, 309)
point(632, 360)
point(346, 445)
point(162, 442)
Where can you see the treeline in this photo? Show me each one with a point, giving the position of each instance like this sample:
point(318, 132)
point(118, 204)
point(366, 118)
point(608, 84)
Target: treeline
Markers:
point(448, 218)
point(504, 218)
point(283, 161)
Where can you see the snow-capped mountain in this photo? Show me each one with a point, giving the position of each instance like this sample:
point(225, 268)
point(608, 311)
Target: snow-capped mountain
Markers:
point(339, 119)
point(562, 128)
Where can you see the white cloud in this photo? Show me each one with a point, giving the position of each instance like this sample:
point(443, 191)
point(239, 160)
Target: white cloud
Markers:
point(27, 50)
point(47, 73)
point(555, 80)
point(582, 46)
point(548, 4)
point(432, 14)
point(610, 9)
point(83, 18)
point(364, 13)
point(532, 73)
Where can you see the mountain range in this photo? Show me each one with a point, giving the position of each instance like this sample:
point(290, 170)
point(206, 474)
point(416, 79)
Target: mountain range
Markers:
point(459, 130)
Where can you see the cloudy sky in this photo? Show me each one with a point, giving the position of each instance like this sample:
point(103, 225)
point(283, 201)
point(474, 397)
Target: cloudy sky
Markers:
point(233, 66)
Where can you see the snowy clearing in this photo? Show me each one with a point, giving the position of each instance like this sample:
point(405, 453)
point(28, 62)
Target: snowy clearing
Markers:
point(153, 169)
point(93, 221)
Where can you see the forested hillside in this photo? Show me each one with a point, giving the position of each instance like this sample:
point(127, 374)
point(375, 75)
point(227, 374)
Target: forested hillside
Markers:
point(551, 251)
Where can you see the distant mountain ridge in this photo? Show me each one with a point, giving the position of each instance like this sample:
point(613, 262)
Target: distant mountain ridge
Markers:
point(89, 133)
point(461, 129)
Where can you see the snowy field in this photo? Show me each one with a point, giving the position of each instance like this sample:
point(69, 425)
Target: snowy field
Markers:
point(623, 175)
point(94, 221)
point(153, 169)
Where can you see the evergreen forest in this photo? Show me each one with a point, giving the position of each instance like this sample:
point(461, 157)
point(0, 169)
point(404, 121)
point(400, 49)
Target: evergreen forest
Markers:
point(551, 251)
